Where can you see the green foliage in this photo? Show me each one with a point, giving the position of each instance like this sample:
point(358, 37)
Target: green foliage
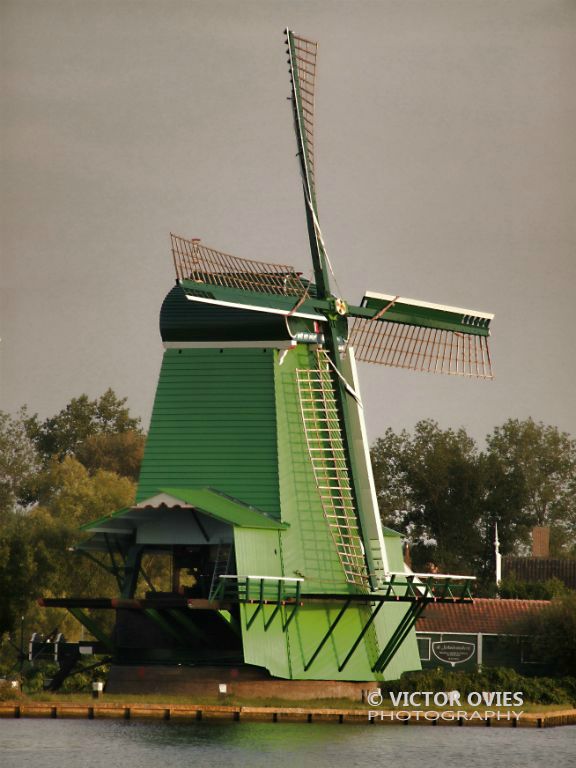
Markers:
point(121, 453)
point(61, 494)
point(73, 496)
point(34, 546)
point(82, 418)
point(36, 678)
point(81, 681)
point(33, 678)
point(430, 488)
point(7, 692)
point(18, 460)
point(511, 587)
point(537, 465)
point(446, 496)
point(537, 690)
point(23, 554)
point(553, 632)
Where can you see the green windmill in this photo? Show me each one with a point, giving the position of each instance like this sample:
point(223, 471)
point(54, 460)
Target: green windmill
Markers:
point(256, 479)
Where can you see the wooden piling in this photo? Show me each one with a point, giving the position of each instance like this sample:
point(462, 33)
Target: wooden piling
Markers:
point(102, 710)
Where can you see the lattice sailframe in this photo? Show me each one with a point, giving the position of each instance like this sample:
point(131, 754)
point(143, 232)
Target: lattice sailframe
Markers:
point(303, 72)
point(420, 348)
point(324, 439)
point(195, 261)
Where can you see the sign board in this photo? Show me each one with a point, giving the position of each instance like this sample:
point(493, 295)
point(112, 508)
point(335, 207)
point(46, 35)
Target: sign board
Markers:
point(453, 651)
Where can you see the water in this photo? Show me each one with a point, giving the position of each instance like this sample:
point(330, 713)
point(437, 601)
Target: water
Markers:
point(132, 744)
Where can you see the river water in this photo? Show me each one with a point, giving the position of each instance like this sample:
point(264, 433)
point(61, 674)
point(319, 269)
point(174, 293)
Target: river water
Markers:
point(131, 744)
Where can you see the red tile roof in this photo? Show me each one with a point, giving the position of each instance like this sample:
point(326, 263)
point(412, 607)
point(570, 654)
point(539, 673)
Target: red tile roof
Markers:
point(483, 615)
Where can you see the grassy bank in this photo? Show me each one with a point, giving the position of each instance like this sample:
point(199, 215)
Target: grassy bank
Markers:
point(324, 704)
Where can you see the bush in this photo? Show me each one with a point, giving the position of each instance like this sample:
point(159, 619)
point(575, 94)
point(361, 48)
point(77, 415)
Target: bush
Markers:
point(8, 691)
point(36, 678)
point(514, 588)
point(33, 680)
point(537, 690)
point(554, 634)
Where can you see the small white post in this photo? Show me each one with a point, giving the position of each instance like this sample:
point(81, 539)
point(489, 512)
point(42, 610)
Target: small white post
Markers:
point(97, 689)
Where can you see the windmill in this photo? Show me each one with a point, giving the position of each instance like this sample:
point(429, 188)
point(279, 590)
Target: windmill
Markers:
point(256, 478)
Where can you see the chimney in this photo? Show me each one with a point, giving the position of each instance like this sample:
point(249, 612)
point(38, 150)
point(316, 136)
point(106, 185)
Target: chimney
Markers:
point(407, 555)
point(540, 541)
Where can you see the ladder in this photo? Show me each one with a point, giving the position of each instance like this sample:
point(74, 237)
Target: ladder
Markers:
point(221, 567)
point(323, 431)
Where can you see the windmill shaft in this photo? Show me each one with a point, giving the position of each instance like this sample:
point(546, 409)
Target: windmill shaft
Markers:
point(318, 257)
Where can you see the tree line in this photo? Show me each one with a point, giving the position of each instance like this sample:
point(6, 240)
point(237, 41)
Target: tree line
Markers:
point(447, 495)
point(55, 475)
point(436, 486)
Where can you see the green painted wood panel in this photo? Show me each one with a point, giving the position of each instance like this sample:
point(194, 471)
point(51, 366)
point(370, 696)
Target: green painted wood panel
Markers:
point(185, 320)
point(285, 654)
point(214, 424)
point(308, 548)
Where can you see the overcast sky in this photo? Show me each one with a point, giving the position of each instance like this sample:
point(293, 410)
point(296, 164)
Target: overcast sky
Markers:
point(446, 171)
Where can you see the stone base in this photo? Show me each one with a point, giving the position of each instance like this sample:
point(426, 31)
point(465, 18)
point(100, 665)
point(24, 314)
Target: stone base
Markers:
point(241, 682)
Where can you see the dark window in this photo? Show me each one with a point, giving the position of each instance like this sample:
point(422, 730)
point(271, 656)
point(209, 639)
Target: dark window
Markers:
point(424, 648)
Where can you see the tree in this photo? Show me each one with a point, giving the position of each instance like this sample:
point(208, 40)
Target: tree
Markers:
point(35, 545)
point(430, 487)
point(446, 496)
point(18, 573)
point(532, 468)
point(70, 494)
point(81, 419)
point(18, 460)
point(121, 453)
point(553, 633)
point(43, 503)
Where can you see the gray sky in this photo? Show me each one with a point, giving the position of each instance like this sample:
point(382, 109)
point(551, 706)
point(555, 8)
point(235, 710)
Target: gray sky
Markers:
point(446, 171)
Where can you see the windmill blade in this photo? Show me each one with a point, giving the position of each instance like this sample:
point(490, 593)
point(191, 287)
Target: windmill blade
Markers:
point(200, 264)
point(214, 277)
point(302, 61)
point(420, 336)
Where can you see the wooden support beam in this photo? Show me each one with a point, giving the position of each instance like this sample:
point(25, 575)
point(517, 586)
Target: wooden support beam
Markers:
point(361, 635)
point(330, 630)
point(93, 628)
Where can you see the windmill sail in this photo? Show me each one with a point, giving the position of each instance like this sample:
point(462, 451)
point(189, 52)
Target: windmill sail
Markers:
point(214, 277)
point(196, 262)
point(302, 60)
point(421, 336)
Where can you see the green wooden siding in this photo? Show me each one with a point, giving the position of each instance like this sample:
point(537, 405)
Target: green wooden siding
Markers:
point(285, 654)
point(230, 419)
point(308, 548)
point(214, 424)
point(305, 549)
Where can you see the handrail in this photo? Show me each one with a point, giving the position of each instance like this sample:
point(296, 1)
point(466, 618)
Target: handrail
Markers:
point(431, 575)
point(264, 578)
